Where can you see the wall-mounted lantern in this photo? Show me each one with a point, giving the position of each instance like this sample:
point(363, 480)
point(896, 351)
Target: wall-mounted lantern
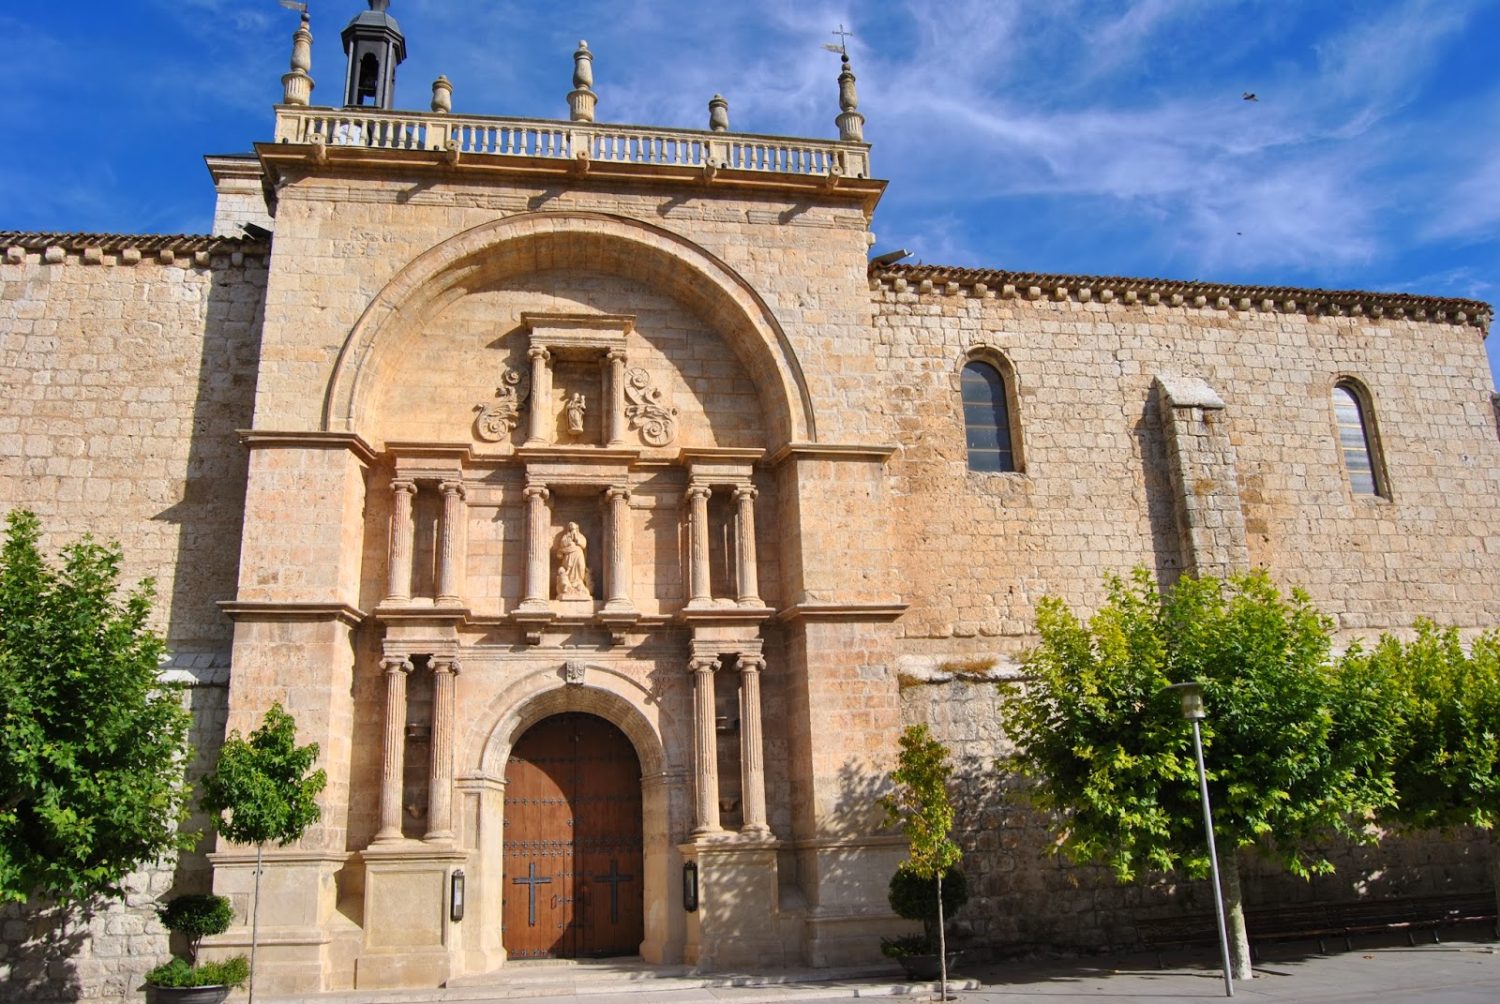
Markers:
point(690, 886)
point(456, 895)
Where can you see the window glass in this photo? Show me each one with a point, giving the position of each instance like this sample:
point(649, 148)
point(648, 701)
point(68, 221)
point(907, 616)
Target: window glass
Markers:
point(986, 419)
point(1354, 442)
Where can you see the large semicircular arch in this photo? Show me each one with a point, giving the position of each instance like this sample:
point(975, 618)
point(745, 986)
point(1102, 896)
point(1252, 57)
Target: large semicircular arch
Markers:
point(544, 240)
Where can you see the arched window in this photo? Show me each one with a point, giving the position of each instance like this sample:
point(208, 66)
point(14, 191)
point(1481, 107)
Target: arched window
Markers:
point(1356, 442)
point(987, 418)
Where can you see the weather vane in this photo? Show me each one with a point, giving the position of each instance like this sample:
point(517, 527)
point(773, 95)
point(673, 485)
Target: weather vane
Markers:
point(842, 48)
point(301, 8)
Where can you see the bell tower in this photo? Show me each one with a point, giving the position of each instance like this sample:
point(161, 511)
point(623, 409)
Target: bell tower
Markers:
point(374, 44)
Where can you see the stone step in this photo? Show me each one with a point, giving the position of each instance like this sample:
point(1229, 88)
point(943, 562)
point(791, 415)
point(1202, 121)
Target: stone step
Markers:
point(541, 980)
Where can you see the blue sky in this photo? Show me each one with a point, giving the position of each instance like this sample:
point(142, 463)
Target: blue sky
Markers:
point(1048, 135)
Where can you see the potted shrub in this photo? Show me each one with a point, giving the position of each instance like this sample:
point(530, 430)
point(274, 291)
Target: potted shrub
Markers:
point(184, 981)
point(914, 897)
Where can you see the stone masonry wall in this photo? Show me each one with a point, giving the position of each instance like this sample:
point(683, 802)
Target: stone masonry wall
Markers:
point(123, 378)
point(1024, 899)
point(978, 550)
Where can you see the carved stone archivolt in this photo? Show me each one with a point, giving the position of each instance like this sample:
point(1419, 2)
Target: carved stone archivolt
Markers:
point(498, 419)
point(646, 411)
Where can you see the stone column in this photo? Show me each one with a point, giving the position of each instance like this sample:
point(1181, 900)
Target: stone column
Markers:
point(616, 359)
point(399, 588)
point(752, 752)
point(541, 396)
point(699, 592)
point(453, 514)
point(744, 538)
point(618, 595)
point(440, 775)
point(537, 524)
point(705, 747)
point(394, 755)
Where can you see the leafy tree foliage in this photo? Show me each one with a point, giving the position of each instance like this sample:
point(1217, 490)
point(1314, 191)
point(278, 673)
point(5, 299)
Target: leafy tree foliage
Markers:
point(93, 747)
point(920, 805)
point(264, 790)
point(1297, 748)
point(197, 916)
point(1447, 763)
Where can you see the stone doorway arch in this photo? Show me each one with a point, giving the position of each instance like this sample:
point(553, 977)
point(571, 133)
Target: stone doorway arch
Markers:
point(533, 698)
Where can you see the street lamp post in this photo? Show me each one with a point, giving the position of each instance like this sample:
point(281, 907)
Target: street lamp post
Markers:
point(1192, 709)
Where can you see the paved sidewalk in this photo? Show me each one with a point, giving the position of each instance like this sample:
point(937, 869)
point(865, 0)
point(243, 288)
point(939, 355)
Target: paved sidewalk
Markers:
point(1457, 972)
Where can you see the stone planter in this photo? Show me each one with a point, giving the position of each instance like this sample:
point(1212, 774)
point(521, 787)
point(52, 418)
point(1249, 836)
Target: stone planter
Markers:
point(186, 995)
point(925, 968)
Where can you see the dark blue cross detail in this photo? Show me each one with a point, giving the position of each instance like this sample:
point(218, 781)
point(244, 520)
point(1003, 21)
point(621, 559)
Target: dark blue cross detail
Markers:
point(531, 882)
point(614, 878)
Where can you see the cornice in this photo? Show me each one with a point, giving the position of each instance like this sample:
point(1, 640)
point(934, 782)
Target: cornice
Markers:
point(942, 280)
point(198, 250)
point(262, 438)
point(268, 610)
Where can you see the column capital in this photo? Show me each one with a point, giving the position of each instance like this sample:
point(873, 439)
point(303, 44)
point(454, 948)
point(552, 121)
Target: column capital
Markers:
point(406, 485)
point(616, 355)
point(752, 663)
point(538, 352)
point(536, 492)
point(698, 492)
point(396, 664)
point(742, 492)
point(445, 664)
point(617, 493)
point(451, 488)
point(703, 664)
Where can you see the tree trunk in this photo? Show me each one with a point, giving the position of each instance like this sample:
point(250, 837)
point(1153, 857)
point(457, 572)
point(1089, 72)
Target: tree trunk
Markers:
point(942, 944)
point(255, 919)
point(1234, 909)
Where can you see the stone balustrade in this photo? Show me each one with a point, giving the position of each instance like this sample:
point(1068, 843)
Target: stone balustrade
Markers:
point(602, 143)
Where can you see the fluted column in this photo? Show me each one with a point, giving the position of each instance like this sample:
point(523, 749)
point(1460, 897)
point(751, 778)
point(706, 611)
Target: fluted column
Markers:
point(699, 591)
point(616, 359)
point(705, 747)
point(394, 755)
point(448, 535)
point(752, 752)
point(440, 775)
point(744, 538)
point(541, 396)
point(399, 588)
point(618, 597)
point(537, 524)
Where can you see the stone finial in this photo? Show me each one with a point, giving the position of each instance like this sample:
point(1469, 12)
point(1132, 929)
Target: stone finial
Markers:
point(297, 85)
point(582, 99)
point(442, 95)
point(850, 122)
point(718, 114)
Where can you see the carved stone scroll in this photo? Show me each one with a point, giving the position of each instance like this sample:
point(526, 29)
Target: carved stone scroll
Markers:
point(495, 421)
point(656, 420)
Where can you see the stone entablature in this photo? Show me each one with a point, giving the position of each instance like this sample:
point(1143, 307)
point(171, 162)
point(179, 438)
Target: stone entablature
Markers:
point(1005, 285)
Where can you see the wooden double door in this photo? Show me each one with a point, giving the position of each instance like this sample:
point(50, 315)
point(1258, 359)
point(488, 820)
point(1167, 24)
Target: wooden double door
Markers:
point(573, 857)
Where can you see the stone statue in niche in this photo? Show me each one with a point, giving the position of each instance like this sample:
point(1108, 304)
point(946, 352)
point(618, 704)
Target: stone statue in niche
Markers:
point(495, 421)
point(575, 409)
point(574, 582)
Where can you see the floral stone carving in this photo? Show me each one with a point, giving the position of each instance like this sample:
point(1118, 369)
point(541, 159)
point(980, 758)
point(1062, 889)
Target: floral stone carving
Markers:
point(644, 408)
point(495, 421)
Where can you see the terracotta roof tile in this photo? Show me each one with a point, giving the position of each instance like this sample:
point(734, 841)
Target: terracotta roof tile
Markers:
point(147, 244)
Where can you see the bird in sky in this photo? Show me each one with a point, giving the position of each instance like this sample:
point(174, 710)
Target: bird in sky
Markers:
point(1249, 96)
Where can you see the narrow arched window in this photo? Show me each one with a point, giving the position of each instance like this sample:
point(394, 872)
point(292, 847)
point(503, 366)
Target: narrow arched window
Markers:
point(986, 418)
point(1355, 440)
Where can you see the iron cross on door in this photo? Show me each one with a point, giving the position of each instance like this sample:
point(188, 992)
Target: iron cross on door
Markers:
point(614, 878)
point(531, 881)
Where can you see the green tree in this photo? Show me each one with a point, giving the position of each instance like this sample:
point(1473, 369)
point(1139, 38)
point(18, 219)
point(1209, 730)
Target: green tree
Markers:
point(1447, 761)
point(1297, 748)
point(920, 805)
point(264, 790)
point(93, 747)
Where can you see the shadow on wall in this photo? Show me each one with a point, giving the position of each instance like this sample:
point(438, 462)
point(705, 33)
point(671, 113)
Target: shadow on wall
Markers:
point(41, 943)
point(1161, 512)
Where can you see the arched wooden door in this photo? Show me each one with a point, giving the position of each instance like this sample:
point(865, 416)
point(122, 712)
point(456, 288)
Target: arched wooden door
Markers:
point(573, 862)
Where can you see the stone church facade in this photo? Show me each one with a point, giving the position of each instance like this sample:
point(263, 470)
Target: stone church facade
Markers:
point(603, 512)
